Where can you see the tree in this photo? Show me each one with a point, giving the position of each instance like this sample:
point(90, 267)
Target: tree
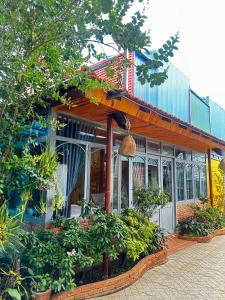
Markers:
point(44, 45)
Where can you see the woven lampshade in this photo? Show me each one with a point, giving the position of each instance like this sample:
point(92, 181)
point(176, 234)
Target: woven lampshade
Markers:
point(128, 146)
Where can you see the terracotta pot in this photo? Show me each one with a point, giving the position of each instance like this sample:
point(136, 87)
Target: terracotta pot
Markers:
point(41, 295)
point(128, 146)
point(57, 230)
point(222, 164)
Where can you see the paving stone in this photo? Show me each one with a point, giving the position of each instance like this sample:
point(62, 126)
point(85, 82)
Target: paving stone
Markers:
point(194, 273)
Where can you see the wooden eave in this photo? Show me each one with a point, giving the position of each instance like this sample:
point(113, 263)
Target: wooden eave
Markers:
point(145, 120)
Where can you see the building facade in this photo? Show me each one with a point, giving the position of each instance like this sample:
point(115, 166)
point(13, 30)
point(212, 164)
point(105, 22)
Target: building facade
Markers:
point(176, 134)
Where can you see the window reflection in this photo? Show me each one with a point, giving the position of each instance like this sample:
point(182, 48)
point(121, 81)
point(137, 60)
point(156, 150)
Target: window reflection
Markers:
point(189, 182)
point(125, 183)
point(138, 172)
point(180, 181)
point(153, 174)
point(196, 182)
point(167, 177)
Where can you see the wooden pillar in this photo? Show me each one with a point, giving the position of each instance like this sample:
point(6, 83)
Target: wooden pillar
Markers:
point(108, 164)
point(108, 186)
point(210, 178)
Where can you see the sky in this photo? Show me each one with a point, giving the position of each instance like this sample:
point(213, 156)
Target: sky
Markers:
point(201, 53)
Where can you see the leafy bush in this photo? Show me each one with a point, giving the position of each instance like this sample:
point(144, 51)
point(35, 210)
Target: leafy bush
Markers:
point(59, 222)
point(148, 200)
point(76, 241)
point(213, 218)
point(158, 240)
point(193, 227)
point(41, 283)
point(204, 199)
point(140, 233)
point(107, 234)
point(45, 255)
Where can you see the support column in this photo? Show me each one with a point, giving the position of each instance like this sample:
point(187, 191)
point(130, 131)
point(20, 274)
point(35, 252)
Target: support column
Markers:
point(108, 164)
point(210, 178)
point(108, 186)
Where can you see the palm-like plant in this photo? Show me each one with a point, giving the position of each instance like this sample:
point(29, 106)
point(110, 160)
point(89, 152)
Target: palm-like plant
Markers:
point(9, 231)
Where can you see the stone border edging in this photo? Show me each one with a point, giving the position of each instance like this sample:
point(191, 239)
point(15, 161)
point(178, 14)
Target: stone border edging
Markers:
point(117, 283)
point(218, 232)
point(198, 239)
point(202, 239)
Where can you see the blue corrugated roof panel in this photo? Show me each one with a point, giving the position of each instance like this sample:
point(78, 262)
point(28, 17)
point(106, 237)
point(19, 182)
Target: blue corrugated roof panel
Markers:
point(200, 112)
point(172, 96)
point(217, 118)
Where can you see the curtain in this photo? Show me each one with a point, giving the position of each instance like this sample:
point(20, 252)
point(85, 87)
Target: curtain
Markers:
point(73, 155)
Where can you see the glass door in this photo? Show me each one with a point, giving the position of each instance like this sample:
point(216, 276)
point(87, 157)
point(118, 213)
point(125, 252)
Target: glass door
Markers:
point(98, 175)
point(121, 186)
point(138, 173)
point(71, 175)
point(153, 179)
point(167, 184)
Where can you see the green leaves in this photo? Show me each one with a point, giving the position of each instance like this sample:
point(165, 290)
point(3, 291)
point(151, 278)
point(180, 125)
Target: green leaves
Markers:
point(13, 293)
point(151, 71)
point(148, 199)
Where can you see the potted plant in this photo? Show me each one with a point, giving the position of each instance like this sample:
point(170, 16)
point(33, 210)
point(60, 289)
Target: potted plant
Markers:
point(57, 224)
point(41, 289)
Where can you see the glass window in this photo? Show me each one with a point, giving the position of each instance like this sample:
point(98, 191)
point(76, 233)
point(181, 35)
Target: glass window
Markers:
point(198, 157)
point(153, 174)
point(167, 150)
point(153, 147)
point(124, 182)
point(140, 144)
point(115, 180)
point(203, 181)
point(180, 181)
point(188, 155)
point(72, 165)
point(179, 154)
point(167, 177)
point(189, 182)
point(138, 171)
point(98, 175)
point(196, 182)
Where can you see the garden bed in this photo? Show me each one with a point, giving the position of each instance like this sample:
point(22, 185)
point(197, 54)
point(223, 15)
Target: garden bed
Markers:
point(219, 232)
point(198, 239)
point(203, 239)
point(117, 283)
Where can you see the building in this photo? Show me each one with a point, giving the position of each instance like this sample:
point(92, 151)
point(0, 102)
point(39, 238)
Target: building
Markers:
point(179, 136)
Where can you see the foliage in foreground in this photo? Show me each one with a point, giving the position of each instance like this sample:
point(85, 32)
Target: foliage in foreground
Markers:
point(147, 200)
point(205, 221)
point(54, 259)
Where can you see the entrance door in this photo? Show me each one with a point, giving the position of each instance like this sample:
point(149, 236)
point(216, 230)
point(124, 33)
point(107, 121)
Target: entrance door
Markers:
point(71, 175)
point(121, 186)
point(167, 182)
point(98, 175)
point(153, 174)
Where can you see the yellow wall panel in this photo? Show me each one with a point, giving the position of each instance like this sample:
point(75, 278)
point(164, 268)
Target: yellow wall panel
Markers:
point(217, 183)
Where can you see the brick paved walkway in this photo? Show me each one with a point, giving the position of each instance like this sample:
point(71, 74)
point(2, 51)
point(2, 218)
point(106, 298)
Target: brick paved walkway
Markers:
point(197, 272)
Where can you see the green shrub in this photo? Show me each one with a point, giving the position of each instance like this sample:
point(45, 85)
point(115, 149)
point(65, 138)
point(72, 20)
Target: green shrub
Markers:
point(107, 234)
point(44, 255)
point(140, 233)
point(213, 218)
point(59, 221)
point(75, 239)
point(148, 200)
point(193, 227)
point(158, 240)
